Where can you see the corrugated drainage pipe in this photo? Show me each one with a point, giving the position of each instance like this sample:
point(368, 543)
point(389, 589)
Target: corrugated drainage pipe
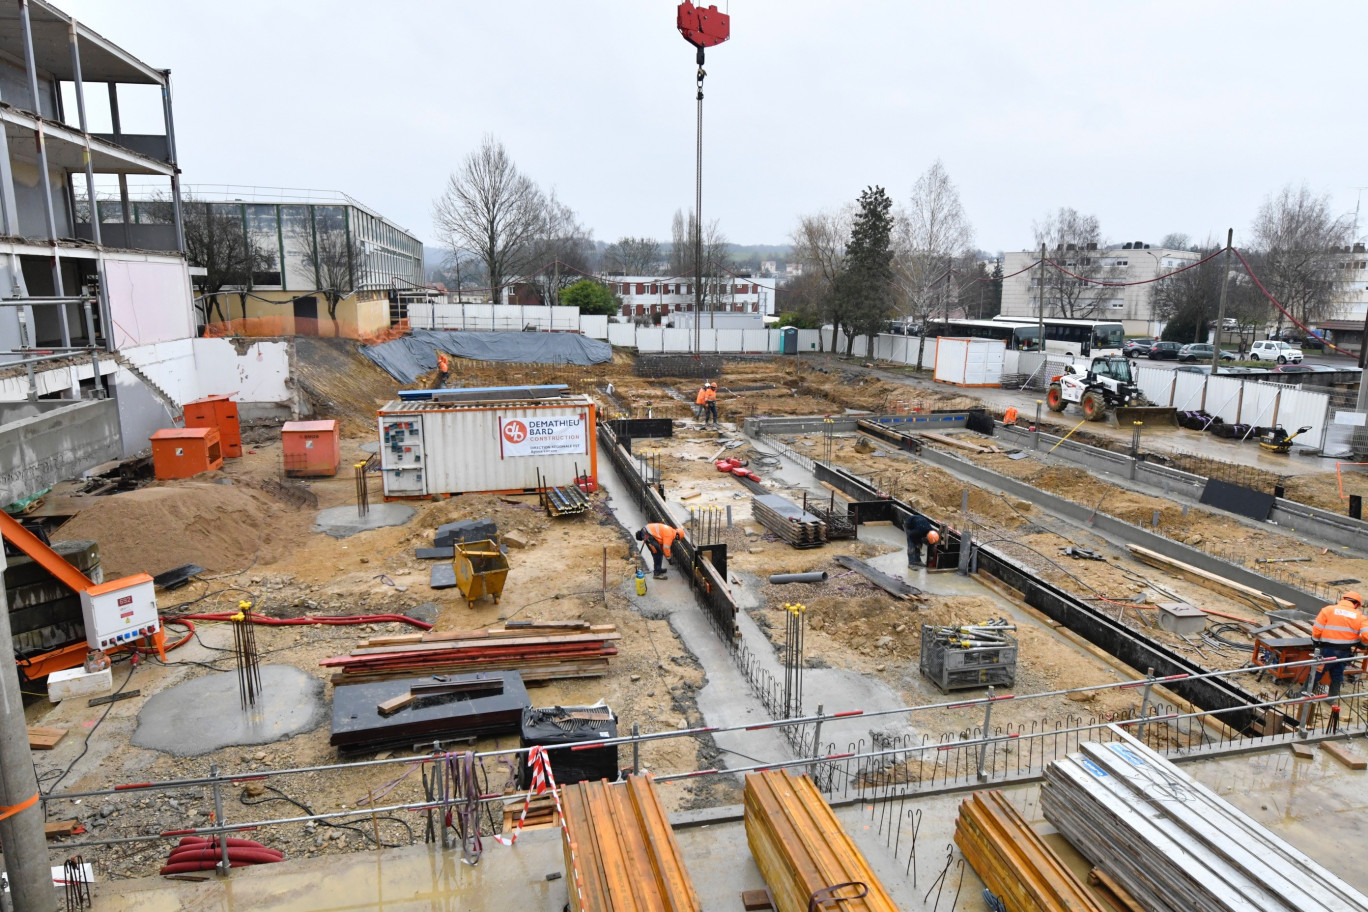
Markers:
point(817, 576)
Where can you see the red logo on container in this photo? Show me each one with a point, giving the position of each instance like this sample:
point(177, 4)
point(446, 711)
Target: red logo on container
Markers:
point(514, 431)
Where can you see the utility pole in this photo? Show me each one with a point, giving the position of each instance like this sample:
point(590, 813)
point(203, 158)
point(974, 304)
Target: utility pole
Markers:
point(1040, 340)
point(1220, 306)
point(26, 853)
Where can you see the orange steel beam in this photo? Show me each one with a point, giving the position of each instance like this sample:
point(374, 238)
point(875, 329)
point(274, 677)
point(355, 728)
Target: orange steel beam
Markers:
point(48, 559)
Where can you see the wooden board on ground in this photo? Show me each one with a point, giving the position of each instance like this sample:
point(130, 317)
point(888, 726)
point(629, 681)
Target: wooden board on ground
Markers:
point(44, 739)
point(801, 848)
point(1344, 755)
point(57, 829)
point(1303, 751)
point(1208, 580)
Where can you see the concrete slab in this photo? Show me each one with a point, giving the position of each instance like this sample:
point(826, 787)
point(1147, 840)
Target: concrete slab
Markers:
point(342, 522)
point(206, 714)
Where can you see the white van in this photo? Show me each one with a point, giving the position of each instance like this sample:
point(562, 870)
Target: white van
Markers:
point(1275, 350)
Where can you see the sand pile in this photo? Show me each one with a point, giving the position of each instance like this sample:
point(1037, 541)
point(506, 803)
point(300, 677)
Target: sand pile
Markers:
point(220, 527)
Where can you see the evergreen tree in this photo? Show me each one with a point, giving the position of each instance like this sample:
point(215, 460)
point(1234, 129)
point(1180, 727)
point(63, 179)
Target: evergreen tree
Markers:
point(866, 285)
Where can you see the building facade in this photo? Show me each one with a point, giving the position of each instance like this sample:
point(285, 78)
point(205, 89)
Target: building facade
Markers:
point(1129, 304)
point(302, 243)
point(656, 296)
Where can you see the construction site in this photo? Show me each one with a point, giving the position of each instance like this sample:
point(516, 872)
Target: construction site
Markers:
point(345, 681)
point(443, 600)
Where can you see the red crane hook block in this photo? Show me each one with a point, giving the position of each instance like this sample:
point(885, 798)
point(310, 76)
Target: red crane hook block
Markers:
point(703, 28)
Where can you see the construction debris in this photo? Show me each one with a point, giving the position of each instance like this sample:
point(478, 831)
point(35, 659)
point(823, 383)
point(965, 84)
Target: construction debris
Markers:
point(807, 859)
point(407, 711)
point(620, 852)
point(1014, 861)
point(1174, 845)
point(542, 651)
point(788, 521)
point(1209, 580)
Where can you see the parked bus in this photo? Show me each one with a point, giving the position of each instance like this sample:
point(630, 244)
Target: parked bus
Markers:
point(1017, 336)
point(1095, 338)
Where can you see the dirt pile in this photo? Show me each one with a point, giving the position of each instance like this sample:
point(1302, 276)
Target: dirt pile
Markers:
point(220, 527)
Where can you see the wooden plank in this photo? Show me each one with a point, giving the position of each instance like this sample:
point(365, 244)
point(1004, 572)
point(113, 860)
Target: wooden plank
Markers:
point(890, 584)
point(1208, 580)
point(394, 704)
point(1349, 758)
point(1302, 751)
point(44, 739)
point(57, 829)
point(756, 900)
point(951, 441)
point(1116, 894)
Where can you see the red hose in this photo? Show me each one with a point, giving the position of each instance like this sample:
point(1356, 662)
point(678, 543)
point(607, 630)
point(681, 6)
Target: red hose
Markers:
point(334, 620)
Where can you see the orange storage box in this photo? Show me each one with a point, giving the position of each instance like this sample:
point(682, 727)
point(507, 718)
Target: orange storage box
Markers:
point(217, 412)
point(311, 448)
point(186, 452)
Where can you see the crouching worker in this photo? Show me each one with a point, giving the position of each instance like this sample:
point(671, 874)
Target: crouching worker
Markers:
point(920, 531)
point(659, 538)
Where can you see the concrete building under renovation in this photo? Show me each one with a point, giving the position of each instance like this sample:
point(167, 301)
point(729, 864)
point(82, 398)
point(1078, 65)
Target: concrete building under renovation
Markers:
point(97, 326)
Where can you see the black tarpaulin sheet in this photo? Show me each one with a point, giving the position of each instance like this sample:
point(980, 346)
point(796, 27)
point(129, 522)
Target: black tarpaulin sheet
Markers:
point(410, 356)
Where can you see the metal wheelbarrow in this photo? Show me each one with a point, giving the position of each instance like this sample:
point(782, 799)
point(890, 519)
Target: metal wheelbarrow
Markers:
point(481, 569)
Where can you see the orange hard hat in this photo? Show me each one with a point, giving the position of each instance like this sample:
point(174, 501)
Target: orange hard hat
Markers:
point(932, 537)
point(1352, 596)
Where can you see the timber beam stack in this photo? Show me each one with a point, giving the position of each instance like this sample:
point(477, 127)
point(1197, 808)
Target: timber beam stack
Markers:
point(620, 853)
point(1176, 846)
point(803, 852)
point(540, 650)
point(789, 521)
point(1014, 862)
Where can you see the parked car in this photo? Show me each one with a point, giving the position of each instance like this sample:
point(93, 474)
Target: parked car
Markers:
point(1195, 368)
point(1134, 348)
point(1164, 351)
point(1201, 351)
point(1294, 369)
point(1275, 350)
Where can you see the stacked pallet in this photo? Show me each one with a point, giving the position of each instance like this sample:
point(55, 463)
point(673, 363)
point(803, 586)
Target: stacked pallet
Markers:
point(540, 650)
point(789, 521)
point(620, 853)
point(1014, 862)
point(803, 852)
point(1174, 845)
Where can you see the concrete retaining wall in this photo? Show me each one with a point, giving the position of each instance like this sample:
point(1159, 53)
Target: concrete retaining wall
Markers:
point(42, 443)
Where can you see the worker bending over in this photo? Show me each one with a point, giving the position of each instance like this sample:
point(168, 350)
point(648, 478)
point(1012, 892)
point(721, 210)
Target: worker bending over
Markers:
point(920, 531)
point(659, 538)
point(1339, 629)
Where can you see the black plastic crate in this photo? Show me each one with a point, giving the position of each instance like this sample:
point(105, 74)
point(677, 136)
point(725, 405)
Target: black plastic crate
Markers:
point(571, 725)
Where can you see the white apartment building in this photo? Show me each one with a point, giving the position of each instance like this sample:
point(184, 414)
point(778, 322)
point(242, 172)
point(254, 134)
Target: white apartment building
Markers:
point(1133, 261)
point(651, 296)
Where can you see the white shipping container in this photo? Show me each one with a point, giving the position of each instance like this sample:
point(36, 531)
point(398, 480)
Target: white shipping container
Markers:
point(459, 448)
point(970, 362)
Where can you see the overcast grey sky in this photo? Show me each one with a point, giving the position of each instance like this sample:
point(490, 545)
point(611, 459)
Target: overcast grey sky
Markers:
point(1157, 117)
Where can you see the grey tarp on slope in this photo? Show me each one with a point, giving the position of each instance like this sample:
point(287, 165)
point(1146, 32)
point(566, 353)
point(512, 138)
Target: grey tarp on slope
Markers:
point(406, 358)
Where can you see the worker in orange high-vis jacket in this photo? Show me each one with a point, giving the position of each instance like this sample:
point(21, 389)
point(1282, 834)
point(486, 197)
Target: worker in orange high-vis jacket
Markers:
point(659, 538)
point(1339, 629)
point(710, 403)
point(701, 401)
point(443, 369)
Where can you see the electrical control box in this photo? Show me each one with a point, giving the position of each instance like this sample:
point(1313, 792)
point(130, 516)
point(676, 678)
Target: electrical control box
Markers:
point(120, 611)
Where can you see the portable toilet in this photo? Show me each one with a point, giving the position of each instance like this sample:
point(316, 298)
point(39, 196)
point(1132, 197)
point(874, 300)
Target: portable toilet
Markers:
point(788, 340)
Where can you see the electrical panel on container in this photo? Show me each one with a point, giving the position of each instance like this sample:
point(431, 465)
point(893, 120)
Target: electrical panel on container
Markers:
point(402, 453)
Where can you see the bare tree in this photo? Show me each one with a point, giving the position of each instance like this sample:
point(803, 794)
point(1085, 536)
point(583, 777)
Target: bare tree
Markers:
point(632, 256)
point(334, 260)
point(562, 253)
point(493, 209)
point(930, 235)
point(216, 242)
point(819, 243)
point(1298, 241)
point(681, 244)
point(1073, 240)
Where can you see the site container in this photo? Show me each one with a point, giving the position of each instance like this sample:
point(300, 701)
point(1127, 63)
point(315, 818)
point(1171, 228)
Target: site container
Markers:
point(311, 448)
point(970, 362)
point(489, 444)
point(217, 412)
point(186, 452)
